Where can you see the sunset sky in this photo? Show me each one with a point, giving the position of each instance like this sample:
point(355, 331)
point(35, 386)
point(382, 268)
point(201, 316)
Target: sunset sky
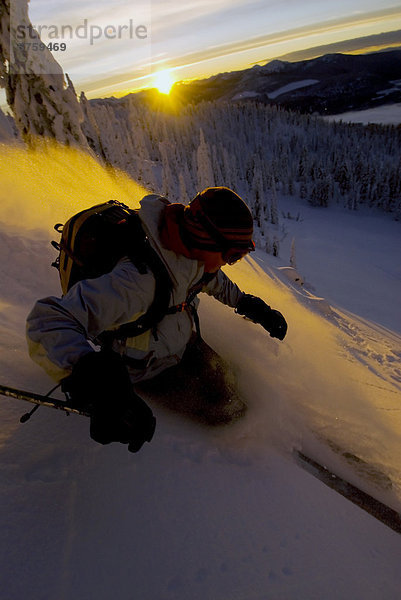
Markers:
point(116, 46)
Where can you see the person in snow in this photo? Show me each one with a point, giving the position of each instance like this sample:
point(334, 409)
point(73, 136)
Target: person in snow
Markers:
point(194, 242)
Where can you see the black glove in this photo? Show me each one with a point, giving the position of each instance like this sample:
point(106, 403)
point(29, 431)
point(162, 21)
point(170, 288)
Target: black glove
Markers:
point(100, 383)
point(258, 311)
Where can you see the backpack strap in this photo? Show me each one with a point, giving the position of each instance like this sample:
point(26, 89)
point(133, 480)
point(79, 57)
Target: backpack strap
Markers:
point(188, 303)
point(144, 257)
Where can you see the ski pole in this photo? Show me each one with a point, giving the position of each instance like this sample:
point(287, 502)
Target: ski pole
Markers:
point(39, 399)
point(29, 414)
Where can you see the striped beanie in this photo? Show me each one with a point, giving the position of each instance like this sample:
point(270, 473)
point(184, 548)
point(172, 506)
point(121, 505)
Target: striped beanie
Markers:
point(217, 219)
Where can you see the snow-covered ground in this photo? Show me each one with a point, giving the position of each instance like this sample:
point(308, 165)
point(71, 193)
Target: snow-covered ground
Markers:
point(388, 114)
point(209, 514)
point(296, 85)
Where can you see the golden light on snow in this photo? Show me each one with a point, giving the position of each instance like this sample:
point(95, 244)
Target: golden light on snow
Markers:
point(57, 181)
point(164, 81)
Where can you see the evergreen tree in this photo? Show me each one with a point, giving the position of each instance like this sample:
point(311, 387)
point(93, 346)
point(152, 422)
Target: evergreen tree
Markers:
point(293, 260)
point(273, 204)
point(42, 100)
point(183, 194)
point(204, 164)
point(168, 183)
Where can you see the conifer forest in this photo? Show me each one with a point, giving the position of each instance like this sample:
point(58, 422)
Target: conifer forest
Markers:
point(260, 151)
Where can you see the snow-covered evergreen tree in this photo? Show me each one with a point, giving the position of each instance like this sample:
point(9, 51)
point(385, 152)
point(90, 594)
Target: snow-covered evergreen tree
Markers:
point(183, 194)
point(169, 187)
point(90, 127)
point(274, 204)
point(42, 100)
point(293, 258)
point(8, 132)
point(206, 177)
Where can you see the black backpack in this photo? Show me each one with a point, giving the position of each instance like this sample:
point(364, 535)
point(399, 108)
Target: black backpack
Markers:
point(95, 239)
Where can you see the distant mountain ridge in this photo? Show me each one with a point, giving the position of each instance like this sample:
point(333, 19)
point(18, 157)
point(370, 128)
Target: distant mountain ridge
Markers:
point(330, 84)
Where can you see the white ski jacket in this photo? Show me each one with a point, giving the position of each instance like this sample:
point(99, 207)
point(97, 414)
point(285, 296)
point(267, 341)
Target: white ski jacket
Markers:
point(62, 330)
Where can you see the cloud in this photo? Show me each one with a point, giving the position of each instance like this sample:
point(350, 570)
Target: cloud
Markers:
point(304, 32)
point(170, 16)
point(378, 41)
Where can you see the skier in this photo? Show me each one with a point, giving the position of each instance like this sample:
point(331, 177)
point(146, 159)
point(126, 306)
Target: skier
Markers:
point(194, 242)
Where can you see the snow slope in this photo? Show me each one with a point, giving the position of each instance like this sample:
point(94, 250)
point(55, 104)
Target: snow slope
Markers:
point(211, 514)
point(388, 114)
point(290, 87)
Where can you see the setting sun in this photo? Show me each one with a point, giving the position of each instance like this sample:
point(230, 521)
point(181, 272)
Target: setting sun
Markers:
point(163, 81)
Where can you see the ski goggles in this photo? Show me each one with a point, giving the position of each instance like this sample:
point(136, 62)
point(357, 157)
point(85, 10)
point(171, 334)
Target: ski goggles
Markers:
point(233, 255)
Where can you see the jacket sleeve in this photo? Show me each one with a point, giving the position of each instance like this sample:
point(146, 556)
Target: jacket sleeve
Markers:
point(59, 329)
point(222, 288)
